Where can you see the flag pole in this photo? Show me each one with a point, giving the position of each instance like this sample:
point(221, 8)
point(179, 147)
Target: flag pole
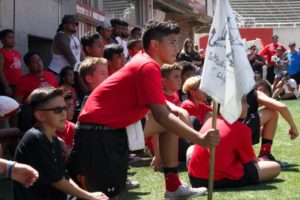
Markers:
point(212, 154)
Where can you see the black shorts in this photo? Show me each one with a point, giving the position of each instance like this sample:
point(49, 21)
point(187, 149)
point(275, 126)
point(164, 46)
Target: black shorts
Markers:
point(253, 122)
point(250, 177)
point(296, 77)
point(102, 155)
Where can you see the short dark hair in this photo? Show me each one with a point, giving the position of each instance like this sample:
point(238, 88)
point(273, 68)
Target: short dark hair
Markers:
point(115, 22)
point(41, 96)
point(111, 49)
point(131, 43)
point(5, 32)
point(135, 29)
point(155, 30)
point(63, 73)
point(187, 66)
point(166, 69)
point(89, 39)
point(27, 57)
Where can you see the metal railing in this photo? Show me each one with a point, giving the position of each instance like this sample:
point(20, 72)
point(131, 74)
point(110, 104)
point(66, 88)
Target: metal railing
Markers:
point(276, 24)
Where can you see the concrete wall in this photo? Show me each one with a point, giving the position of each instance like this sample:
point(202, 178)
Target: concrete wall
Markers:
point(287, 35)
point(34, 18)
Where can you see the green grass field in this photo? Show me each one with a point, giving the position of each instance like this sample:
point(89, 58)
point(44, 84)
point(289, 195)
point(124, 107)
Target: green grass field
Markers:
point(285, 186)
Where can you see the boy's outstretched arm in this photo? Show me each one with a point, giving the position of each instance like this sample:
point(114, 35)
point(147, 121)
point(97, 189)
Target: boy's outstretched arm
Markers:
point(69, 187)
point(174, 125)
point(282, 109)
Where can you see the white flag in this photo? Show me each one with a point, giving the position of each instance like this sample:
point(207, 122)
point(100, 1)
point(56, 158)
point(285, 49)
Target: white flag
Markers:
point(227, 74)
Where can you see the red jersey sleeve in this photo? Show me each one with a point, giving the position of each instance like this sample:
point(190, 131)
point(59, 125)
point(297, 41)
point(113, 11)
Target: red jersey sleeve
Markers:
point(149, 85)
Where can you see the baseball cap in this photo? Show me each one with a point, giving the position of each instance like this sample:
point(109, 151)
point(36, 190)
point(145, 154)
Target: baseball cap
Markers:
point(104, 25)
point(292, 43)
point(69, 19)
point(8, 107)
point(275, 36)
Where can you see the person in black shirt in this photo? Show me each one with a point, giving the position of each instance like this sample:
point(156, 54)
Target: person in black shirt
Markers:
point(40, 148)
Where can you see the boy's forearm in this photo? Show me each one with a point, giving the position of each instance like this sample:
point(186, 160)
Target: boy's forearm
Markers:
point(69, 187)
point(174, 125)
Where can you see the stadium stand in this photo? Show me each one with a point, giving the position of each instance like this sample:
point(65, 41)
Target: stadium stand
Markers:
point(268, 13)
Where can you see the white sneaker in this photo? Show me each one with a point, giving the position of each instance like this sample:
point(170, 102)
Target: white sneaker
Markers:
point(185, 191)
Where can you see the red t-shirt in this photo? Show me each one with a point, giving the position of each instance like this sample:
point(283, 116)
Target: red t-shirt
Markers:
point(234, 150)
point(29, 82)
point(12, 68)
point(270, 50)
point(124, 97)
point(173, 99)
point(67, 134)
point(197, 111)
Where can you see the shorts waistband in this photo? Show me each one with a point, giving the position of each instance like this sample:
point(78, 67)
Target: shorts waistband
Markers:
point(85, 126)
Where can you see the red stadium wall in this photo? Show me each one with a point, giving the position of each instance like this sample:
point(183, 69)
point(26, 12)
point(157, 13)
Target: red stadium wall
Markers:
point(248, 33)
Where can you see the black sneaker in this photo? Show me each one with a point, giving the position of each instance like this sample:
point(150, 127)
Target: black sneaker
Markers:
point(272, 158)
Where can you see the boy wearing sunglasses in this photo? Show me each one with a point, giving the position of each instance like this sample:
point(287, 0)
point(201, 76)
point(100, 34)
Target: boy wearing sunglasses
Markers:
point(40, 148)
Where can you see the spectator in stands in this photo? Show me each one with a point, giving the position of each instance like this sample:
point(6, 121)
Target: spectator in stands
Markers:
point(66, 77)
point(256, 61)
point(92, 46)
point(65, 46)
point(188, 52)
point(136, 33)
point(188, 70)
point(104, 29)
point(122, 39)
point(269, 51)
point(93, 71)
point(10, 64)
point(287, 88)
point(116, 30)
point(134, 46)
point(36, 78)
point(279, 66)
point(293, 62)
point(67, 133)
point(132, 91)
point(40, 148)
point(114, 53)
point(9, 137)
point(236, 164)
point(202, 58)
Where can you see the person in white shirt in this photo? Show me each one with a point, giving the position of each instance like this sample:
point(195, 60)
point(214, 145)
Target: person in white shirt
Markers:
point(287, 88)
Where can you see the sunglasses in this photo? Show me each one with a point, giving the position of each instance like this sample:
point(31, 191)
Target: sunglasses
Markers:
point(56, 110)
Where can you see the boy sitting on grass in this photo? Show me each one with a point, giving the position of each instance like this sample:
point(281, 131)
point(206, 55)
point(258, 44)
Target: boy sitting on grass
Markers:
point(40, 149)
point(236, 164)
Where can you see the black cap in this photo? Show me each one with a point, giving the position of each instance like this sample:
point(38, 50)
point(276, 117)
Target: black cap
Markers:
point(69, 19)
point(115, 22)
point(292, 43)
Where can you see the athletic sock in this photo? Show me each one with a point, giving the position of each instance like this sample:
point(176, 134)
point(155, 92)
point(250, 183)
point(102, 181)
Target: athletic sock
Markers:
point(172, 181)
point(265, 148)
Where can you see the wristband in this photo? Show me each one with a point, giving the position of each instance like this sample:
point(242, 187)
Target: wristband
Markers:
point(9, 167)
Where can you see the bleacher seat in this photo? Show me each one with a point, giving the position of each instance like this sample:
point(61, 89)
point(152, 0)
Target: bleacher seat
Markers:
point(268, 12)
